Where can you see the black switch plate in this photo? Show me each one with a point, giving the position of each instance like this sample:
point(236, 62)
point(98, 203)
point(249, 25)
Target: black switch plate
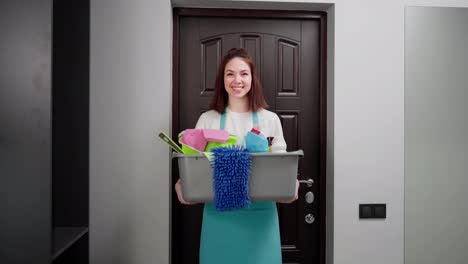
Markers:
point(372, 211)
point(365, 211)
point(380, 211)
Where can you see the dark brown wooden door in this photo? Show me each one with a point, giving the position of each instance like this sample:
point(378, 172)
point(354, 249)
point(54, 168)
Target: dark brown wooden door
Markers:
point(289, 54)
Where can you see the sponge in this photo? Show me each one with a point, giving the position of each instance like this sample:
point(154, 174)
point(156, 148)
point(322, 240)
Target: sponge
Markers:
point(216, 135)
point(194, 138)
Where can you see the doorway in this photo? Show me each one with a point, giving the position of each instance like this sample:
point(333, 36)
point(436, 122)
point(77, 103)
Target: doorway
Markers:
point(289, 49)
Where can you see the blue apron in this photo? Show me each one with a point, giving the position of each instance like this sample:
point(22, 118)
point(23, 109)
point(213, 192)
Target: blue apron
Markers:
point(246, 236)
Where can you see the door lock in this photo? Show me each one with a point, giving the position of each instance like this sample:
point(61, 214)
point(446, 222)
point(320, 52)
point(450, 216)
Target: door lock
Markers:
point(309, 197)
point(309, 218)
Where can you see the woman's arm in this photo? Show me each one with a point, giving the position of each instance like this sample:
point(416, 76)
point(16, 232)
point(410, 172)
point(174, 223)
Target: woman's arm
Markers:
point(178, 189)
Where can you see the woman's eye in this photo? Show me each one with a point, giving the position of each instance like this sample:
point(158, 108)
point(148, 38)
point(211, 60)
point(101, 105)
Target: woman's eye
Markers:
point(228, 74)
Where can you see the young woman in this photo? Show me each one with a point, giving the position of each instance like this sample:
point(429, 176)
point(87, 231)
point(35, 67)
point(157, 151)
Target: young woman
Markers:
point(250, 235)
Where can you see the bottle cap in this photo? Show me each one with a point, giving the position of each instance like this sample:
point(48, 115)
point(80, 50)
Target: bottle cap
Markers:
point(255, 131)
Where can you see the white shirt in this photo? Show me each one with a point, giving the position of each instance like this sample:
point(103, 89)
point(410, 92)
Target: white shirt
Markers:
point(239, 124)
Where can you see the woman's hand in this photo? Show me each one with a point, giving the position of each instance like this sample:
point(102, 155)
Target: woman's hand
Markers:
point(295, 195)
point(178, 189)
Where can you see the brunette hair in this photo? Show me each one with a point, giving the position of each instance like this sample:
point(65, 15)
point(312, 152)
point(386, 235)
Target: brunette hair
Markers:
point(255, 95)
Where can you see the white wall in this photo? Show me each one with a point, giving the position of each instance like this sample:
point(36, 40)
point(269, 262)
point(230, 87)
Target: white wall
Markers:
point(131, 67)
point(368, 130)
point(436, 125)
point(131, 100)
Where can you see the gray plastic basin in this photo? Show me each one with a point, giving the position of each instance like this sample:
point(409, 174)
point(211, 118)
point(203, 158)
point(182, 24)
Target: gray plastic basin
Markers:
point(273, 176)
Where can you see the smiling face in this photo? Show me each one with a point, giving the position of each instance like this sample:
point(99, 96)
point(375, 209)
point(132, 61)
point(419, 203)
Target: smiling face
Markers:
point(237, 79)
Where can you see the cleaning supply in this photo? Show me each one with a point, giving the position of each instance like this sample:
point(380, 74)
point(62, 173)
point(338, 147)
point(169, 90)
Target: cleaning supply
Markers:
point(164, 137)
point(232, 140)
point(194, 138)
point(270, 143)
point(231, 172)
point(256, 143)
point(256, 131)
point(218, 138)
point(216, 135)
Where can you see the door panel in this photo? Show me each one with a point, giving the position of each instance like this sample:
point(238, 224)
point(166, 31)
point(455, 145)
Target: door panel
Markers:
point(287, 28)
point(287, 53)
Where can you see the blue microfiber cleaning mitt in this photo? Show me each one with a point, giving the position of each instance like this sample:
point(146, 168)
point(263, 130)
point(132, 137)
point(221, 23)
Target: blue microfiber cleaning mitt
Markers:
point(256, 143)
point(231, 171)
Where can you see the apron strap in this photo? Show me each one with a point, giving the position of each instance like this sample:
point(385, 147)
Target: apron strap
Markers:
point(255, 120)
point(222, 121)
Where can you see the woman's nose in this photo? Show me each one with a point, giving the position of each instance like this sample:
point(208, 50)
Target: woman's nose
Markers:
point(237, 78)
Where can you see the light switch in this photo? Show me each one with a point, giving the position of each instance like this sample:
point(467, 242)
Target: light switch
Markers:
point(380, 211)
point(365, 211)
point(372, 211)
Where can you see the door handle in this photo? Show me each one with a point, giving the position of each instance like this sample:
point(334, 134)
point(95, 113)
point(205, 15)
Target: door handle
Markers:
point(309, 182)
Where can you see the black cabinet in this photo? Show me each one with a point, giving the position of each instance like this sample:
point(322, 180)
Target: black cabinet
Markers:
point(44, 131)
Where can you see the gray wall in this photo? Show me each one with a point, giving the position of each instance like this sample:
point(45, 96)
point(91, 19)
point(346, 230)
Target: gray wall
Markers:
point(130, 102)
point(436, 129)
point(25, 131)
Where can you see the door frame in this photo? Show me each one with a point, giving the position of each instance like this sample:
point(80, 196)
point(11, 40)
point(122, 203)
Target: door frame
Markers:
point(251, 13)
